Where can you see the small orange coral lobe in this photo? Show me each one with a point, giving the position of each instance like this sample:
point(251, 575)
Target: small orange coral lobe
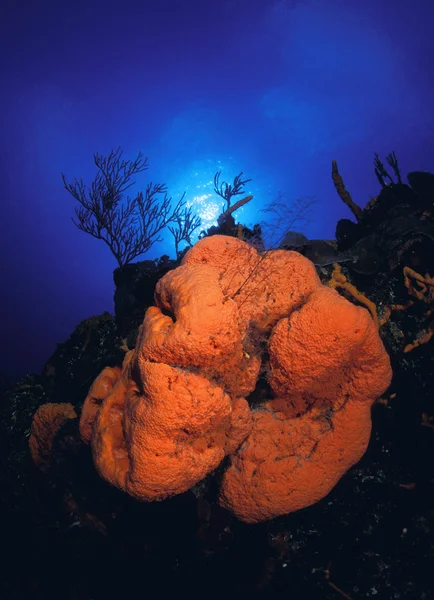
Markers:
point(47, 421)
point(99, 390)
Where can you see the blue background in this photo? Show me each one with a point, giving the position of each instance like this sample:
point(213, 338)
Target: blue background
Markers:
point(276, 89)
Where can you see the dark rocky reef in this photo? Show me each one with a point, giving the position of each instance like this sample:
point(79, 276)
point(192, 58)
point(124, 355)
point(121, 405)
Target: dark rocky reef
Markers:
point(68, 534)
point(135, 284)
point(396, 228)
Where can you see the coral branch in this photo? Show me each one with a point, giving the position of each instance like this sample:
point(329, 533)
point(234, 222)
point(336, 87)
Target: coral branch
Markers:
point(343, 193)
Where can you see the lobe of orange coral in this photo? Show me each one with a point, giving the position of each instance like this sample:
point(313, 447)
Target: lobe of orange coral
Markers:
point(47, 421)
point(182, 432)
point(328, 366)
point(162, 441)
point(99, 390)
point(264, 286)
point(194, 325)
point(109, 447)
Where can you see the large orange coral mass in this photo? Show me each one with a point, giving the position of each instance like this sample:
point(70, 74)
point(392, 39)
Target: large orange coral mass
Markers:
point(227, 322)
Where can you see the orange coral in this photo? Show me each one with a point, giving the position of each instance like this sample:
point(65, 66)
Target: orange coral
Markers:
point(162, 441)
point(100, 389)
point(420, 287)
point(47, 421)
point(328, 366)
point(339, 280)
point(178, 407)
point(344, 195)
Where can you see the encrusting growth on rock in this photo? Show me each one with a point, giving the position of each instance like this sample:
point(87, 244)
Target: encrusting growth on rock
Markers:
point(344, 194)
point(338, 280)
